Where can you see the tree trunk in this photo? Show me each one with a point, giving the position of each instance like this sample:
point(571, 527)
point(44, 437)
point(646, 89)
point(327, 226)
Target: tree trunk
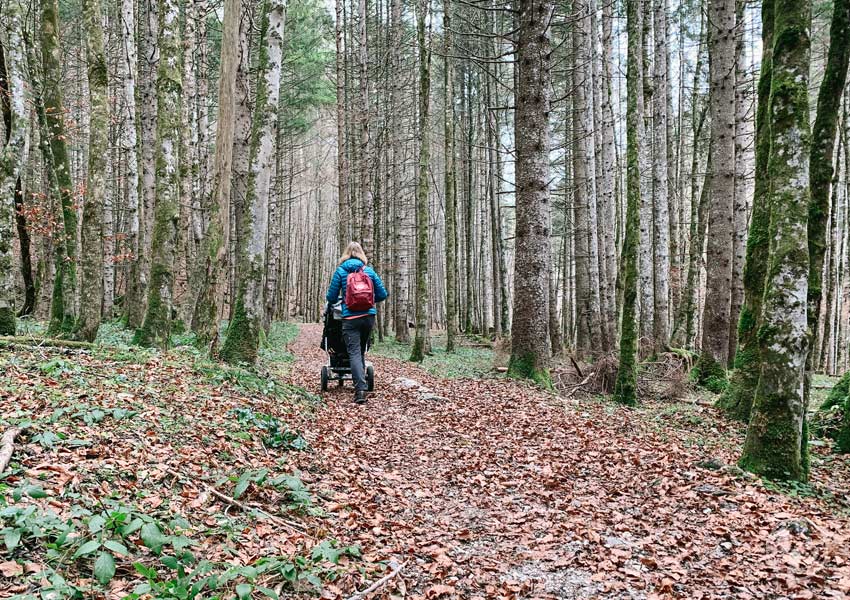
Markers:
point(156, 327)
point(821, 172)
point(714, 349)
point(148, 64)
point(343, 195)
point(63, 314)
point(20, 209)
point(212, 257)
point(12, 161)
point(646, 262)
point(530, 345)
point(367, 225)
point(625, 390)
point(91, 291)
point(584, 169)
point(421, 341)
point(244, 331)
point(737, 400)
point(607, 195)
point(743, 142)
point(661, 215)
point(449, 184)
point(775, 446)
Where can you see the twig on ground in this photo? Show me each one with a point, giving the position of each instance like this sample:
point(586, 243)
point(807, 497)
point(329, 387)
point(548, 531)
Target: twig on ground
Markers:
point(7, 446)
point(286, 523)
point(381, 582)
point(578, 386)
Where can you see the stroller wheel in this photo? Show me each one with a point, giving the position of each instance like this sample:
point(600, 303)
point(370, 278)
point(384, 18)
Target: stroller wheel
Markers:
point(370, 377)
point(324, 379)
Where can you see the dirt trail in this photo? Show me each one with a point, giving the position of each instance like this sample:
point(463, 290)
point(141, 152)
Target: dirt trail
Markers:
point(493, 490)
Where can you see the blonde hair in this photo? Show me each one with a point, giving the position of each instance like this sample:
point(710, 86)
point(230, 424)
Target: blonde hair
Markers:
point(354, 250)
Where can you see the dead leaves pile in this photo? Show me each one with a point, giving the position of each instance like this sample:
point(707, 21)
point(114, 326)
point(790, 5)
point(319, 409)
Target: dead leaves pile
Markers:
point(494, 490)
point(484, 489)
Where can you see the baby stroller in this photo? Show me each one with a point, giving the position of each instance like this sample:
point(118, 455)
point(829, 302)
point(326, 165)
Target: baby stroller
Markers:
point(338, 367)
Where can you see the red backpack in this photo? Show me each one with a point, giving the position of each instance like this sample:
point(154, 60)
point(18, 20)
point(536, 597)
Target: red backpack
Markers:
point(359, 291)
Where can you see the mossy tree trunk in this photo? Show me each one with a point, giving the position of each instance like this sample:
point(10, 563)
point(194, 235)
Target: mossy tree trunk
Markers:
point(737, 400)
point(244, 331)
point(63, 315)
point(91, 290)
point(12, 161)
point(821, 169)
point(775, 438)
point(625, 390)
point(421, 339)
point(530, 343)
point(449, 184)
point(156, 327)
point(212, 257)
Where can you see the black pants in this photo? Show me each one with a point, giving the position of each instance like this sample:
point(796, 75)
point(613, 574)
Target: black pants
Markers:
point(356, 333)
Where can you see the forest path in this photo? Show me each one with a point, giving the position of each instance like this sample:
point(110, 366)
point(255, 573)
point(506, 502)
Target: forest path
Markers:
point(490, 489)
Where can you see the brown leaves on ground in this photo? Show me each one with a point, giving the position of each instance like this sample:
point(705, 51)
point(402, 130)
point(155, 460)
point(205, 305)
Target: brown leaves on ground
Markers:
point(498, 491)
point(484, 488)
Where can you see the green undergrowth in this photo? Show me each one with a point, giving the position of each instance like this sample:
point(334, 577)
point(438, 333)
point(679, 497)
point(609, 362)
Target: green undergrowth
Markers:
point(106, 495)
point(466, 362)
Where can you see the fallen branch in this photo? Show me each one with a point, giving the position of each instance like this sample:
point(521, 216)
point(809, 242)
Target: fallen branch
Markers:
point(578, 386)
point(10, 341)
point(378, 584)
point(285, 523)
point(7, 446)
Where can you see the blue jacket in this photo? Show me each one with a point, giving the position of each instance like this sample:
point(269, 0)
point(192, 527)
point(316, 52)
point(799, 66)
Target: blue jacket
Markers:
point(337, 287)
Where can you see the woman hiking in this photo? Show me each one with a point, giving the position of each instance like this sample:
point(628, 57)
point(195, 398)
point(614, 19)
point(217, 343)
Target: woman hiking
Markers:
point(365, 291)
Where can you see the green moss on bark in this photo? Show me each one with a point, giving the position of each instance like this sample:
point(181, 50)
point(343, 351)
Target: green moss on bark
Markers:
point(709, 374)
point(775, 452)
point(625, 388)
point(525, 366)
point(7, 321)
point(242, 341)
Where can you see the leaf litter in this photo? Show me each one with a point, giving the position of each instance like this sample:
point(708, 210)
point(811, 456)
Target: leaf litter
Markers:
point(483, 488)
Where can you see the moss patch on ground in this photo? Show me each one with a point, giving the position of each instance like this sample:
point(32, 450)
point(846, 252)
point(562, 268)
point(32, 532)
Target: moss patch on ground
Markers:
point(466, 362)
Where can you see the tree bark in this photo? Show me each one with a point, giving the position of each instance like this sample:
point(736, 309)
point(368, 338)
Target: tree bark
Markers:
point(212, 257)
point(625, 389)
point(775, 446)
point(12, 161)
point(156, 327)
point(661, 214)
point(714, 349)
point(530, 345)
point(737, 400)
point(421, 339)
point(244, 331)
point(63, 313)
point(24, 239)
point(148, 63)
point(91, 290)
point(584, 174)
point(449, 183)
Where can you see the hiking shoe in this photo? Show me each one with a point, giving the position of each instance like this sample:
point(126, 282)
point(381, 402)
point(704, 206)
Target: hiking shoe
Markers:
point(360, 397)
